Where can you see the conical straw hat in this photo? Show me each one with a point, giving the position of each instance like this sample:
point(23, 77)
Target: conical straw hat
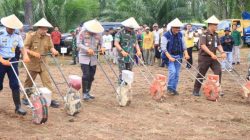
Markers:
point(212, 20)
point(12, 22)
point(93, 26)
point(131, 23)
point(43, 23)
point(176, 23)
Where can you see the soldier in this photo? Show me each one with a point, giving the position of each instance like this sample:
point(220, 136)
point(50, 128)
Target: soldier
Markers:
point(88, 40)
point(38, 43)
point(207, 58)
point(9, 41)
point(125, 43)
point(74, 47)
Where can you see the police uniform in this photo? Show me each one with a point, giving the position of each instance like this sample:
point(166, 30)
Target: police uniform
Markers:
point(8, 45)
point(89, 38)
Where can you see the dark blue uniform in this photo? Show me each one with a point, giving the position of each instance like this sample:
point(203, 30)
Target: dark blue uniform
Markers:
point(8, 45)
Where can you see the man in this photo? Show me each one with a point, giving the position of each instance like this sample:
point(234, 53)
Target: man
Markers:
point(88, 41)
point(173, 46)
point(107, 40)
point(56, 38)
point(189, 40)
point(114, 51)
point(227, 43)
point(125, 43)
point(148, 47)
point(74, 47)
point(207, 58)
point(236, 48)
point(164, 30)
point(38, 43)
point(157, 54)
point(9, 41)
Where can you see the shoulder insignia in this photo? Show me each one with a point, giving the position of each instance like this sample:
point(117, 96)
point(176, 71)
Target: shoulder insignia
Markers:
point(1, 32)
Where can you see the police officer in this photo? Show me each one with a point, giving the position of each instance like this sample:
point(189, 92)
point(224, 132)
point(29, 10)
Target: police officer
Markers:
point(88, 41)
point(207, 58)
point(125, 43)
point(9, 41)
point(38, 43)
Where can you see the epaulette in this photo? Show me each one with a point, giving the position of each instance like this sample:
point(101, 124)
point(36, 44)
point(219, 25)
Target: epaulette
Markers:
point(1, 32)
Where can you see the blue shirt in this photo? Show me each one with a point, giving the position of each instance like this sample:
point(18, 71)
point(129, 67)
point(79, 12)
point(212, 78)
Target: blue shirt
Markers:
point(9, 43)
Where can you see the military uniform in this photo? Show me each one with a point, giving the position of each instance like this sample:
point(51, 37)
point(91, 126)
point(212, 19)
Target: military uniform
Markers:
point(74, 50)
point(127, 41)
point(212, 41)
point(42, 45)
point(8, 45)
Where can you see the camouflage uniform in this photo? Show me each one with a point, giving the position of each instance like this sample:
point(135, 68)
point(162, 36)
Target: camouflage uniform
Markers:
point(74, 50)
point(128, 42)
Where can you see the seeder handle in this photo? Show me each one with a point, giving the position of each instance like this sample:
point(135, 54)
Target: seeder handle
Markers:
point(21, 85)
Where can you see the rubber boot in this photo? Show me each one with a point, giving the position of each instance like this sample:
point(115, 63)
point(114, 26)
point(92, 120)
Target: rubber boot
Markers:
point(17, 102)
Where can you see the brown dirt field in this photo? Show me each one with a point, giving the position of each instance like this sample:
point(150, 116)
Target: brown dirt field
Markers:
point(183, 117)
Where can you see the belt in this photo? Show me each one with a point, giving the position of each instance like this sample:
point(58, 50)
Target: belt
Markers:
point(8, 58)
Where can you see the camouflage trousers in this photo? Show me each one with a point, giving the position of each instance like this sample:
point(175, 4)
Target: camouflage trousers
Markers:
point(123, 66)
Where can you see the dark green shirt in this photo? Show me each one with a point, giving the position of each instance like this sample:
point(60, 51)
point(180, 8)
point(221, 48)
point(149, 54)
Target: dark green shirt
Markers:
point(128, 41)
point(237, 37)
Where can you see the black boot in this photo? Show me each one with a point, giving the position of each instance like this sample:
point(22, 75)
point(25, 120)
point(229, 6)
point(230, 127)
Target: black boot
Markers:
point(16, 99)
point(54, 104)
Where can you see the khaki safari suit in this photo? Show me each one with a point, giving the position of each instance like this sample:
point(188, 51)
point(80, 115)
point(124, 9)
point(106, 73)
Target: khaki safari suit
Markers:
point(42, 45)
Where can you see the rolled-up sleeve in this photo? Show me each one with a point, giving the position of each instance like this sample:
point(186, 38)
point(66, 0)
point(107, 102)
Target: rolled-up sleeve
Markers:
point(164, 43)
point(79, 41)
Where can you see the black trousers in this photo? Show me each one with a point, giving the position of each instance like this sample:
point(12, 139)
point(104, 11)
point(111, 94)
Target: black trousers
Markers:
point(190, 60)
point(204, 63)
point(87, 77)
point(13, 82)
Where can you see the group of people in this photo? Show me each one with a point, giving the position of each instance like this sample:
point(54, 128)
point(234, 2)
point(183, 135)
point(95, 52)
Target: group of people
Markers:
point(168, 46)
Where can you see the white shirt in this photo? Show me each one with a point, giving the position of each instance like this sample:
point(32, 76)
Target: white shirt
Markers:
point(107, 41)
point(156, 37)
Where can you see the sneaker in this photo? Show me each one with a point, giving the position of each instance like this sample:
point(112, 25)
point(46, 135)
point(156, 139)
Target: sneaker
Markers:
point(85, 97)
point(171, 92)
point(91, 97)
point(176, 93)
point(25, 101)
point(196, 94)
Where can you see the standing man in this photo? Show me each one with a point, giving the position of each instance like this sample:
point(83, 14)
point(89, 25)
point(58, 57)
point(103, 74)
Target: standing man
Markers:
point(236, 48)
point(107, 40)
point(56, 38)
point(148, 47)
point(189, 40)
point(207, 58)
point(227, 42)
point(9, 41)
point(157, 53)
point(173, 46)
point(38, 43)
point(125, 43)
point(74, 47)
point(88, 41)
